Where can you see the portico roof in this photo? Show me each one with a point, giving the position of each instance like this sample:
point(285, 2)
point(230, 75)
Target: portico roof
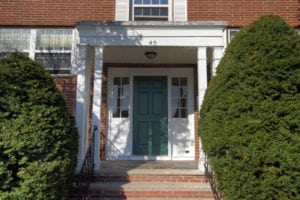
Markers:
point(151, 33)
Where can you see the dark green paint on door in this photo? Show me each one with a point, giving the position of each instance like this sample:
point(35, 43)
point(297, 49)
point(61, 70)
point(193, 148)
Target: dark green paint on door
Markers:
point(150, 112)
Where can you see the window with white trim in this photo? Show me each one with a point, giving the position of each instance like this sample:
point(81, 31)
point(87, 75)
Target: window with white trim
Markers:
point(150, 10)
point(52, 47)
point(231, 34)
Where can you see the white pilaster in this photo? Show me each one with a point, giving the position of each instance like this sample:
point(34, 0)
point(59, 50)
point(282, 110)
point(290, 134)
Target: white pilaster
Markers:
point(82, 101)
point(202, 85)
point(218, 53)
point(96, 115)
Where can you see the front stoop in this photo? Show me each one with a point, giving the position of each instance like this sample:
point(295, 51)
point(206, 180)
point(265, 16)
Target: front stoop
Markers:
point(150, 184)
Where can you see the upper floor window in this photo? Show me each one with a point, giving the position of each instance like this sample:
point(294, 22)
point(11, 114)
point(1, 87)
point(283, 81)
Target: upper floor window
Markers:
point(150, 10)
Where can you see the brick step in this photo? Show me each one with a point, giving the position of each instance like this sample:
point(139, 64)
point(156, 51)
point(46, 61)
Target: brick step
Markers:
point(149, 199)
point(151, 178)
point(143, 190)
point(152, 175)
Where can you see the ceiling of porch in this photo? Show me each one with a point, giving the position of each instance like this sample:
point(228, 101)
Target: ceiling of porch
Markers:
point(164, 55)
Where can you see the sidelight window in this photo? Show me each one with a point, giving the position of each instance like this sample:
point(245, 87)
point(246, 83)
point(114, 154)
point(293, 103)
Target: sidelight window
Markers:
point(121, 97)
point(179, 97)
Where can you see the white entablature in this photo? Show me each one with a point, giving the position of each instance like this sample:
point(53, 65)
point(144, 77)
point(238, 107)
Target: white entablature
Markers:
point(190, 34)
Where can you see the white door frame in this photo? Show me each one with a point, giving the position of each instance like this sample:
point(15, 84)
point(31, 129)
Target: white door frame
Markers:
point(115, 138)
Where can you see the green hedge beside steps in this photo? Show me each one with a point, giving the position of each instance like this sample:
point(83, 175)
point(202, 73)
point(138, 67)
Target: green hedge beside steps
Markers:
point(250, 118)
point(38, 139)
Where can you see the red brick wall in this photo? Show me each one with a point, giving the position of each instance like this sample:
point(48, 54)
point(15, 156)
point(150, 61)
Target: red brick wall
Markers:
point(67, 86)
point(241, 12)
point(67, 12)
point(54, 12)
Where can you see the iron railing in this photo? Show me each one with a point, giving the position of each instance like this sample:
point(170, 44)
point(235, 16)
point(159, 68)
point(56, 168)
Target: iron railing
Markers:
point(86, 175)
point(209, 173)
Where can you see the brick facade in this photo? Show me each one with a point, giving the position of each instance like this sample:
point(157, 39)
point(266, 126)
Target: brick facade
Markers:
point(54, 12)
point(66, 13)
point(240, 13)
point(67, 86)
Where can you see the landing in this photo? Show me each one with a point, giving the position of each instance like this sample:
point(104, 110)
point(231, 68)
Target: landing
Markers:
point(150, 167)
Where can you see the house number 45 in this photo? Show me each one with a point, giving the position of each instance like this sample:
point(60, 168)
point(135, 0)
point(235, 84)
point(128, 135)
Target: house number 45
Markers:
point(152, 42)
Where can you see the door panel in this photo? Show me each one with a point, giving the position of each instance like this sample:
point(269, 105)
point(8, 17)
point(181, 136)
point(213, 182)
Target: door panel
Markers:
point(150, 129)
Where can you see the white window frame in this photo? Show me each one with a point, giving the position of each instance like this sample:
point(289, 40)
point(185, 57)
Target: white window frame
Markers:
point(32, 51)
point(168, 6)
point(231, 33)
point(54, 51)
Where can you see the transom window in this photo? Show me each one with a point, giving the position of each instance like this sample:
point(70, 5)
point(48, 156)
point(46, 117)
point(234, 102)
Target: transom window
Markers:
point(150, 10)
point(179, 97)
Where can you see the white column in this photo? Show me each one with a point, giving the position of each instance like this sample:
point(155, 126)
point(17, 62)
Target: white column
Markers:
point(82, 101)
point(96, 113)
point(202, 85)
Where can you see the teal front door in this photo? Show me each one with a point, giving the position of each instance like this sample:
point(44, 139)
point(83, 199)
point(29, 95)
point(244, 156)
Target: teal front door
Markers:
point(150, 110)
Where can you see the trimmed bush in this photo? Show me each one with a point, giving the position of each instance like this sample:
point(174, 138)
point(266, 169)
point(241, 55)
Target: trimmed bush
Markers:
point(38, 139)
point(250, 118)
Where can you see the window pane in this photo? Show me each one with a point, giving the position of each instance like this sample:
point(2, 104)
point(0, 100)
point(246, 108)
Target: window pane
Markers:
point(14, 40)
point(56, 63)
point(155, 1)
point(138, 11)
point(183, 113)
point(183, 103)
point(54, 39)
point(146, 11)
point(175, 112)
point(163, 11)
point(155, 12)
point(164, 2)
point(124, 112)
point(137, 1)
point(146, 2)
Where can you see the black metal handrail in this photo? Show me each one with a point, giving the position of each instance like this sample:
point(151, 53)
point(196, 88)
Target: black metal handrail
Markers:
point(86, 175)
point(209, 173)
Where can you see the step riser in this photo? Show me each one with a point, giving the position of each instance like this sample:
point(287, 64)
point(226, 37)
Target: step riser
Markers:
point(152, 194)
point(145, 178)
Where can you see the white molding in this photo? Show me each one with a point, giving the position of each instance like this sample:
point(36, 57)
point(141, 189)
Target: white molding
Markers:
point(126, 124)
point(166, 33)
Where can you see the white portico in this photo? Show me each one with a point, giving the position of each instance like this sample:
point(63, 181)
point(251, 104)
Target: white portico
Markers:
point(150, 104)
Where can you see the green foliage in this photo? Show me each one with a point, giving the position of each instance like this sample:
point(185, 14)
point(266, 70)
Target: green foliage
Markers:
point(38, 139)
point(250, 118)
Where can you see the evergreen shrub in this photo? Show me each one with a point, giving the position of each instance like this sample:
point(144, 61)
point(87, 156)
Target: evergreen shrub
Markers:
point(250, 118)
point(38, 138)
